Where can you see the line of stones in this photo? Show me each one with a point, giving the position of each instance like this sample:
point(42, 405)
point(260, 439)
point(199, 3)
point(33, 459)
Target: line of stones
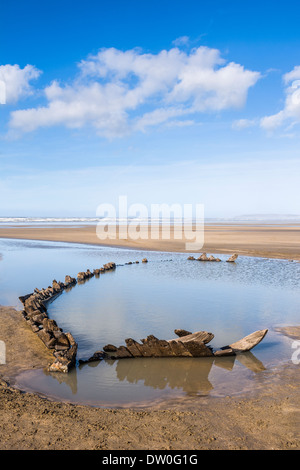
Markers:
point(63, 344)
point(35, 313)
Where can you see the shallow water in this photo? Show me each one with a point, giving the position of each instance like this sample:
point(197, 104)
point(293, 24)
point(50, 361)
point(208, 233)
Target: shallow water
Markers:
point(229, 299)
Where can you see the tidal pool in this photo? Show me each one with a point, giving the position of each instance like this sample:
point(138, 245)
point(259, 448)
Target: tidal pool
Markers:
point(229, 300)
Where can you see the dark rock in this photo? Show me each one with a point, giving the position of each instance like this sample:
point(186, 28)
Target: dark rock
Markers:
point(97, 356)
point(180, 332)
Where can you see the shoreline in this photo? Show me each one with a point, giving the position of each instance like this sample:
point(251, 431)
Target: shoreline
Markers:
point(232, 422)
point(279, 242)
point(32, 421)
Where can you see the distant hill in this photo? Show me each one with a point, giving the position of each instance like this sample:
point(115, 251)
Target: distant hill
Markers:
point(268, 217)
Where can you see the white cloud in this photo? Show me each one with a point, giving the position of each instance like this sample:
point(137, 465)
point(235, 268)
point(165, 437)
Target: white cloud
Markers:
point(118, 92)
point(291, 111)
point(181, 41)
point(293, 75)
point(244, 123)
point(16, 81)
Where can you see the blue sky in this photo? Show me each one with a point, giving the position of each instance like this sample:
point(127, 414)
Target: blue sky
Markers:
point(165, 102)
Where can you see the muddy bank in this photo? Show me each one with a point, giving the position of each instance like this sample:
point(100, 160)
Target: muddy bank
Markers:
point(265, 420)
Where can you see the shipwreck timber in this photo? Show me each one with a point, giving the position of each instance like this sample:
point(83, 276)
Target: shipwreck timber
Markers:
point(187, 345)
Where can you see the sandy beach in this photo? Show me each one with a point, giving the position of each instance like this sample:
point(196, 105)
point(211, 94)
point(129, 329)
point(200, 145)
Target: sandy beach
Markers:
point(150, 228)
point(270, 241)
point(267, 418)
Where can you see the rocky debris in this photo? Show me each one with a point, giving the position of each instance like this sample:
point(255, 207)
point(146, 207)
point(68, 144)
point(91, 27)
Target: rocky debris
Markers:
point(84, 275)
point(35, 313)
point(57, 286)
point(97, 356)
point(70, 281)
point(204, 257)
point(232, 258)
point(180, 332)
point(144, 260)
point(187, 345)
point(212, 258)
point(65, 358)
point(109, 266)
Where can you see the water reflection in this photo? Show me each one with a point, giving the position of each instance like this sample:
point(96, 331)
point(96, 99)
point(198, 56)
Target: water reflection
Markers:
point(231, 300)
point(188, 375)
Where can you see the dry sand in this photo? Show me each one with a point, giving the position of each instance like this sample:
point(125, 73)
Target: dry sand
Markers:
point(271, 241)
point(265, 419)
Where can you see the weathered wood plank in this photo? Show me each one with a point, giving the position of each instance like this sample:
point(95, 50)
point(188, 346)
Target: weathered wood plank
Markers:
point(248, 342)
point(202, 336)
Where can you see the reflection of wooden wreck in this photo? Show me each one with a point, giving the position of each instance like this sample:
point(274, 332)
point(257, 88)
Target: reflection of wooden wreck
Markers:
point(187, 345)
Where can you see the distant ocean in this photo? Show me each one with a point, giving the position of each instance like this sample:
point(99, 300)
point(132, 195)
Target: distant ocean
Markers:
point(247, 219)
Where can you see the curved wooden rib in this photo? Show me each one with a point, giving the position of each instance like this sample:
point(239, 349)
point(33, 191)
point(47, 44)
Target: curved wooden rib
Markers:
point(247, 343)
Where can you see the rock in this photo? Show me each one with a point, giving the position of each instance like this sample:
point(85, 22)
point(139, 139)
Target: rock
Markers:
point(57, 286)
point(24, 298)
point(181, 332)
point(232, 258)
point(110, 348)
point(70, 281)
point(35, 313)
point(50, 325)
point(39, 318)
point(47, 338)
point(33, 304)
point(109, 266)
point(62, 341)
point(81, 276)
point(61, 364)
point(65, 359)
point(191, 258)
point(34, 326)
point(97, 356)
point(144, 260)
point(202, 257)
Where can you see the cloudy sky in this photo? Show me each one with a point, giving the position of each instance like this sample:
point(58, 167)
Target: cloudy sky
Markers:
point(164, 102)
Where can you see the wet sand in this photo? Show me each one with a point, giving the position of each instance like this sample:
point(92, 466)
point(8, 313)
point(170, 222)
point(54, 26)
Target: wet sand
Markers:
point(265, 419)
point(269, 241)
